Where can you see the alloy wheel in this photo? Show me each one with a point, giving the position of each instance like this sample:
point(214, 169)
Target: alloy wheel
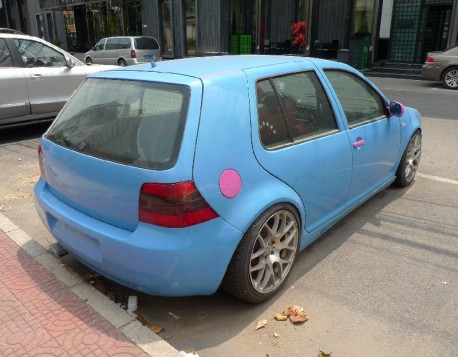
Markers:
point(451, 78)
point(413, 157)
point(274, 251)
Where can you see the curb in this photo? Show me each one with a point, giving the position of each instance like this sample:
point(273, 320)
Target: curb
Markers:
point(128, 325)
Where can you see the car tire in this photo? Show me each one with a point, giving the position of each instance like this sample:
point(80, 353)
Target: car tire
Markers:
point(264, 257)
point(122, 63)
point(408, 166)
point(89, 61)
point(450, 78)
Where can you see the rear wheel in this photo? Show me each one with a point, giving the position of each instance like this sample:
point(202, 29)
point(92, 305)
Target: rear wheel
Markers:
point(408, 166)
point(450, 78)
point(89, 60)
point(122, 63)
point(265, 255)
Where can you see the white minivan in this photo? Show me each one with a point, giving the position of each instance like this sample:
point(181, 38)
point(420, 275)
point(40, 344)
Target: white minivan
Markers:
point(124, 51)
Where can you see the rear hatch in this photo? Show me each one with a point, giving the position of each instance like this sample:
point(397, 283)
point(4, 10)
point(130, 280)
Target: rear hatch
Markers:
point(147, 49)
point(117, 133)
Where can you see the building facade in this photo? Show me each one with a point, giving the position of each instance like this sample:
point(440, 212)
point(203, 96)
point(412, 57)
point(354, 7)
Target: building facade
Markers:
point(365, 30)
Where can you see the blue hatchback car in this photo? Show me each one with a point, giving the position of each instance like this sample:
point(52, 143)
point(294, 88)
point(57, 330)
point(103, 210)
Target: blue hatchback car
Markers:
point(178, 177)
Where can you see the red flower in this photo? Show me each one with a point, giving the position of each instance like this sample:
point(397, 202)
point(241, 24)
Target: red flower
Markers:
point(299, 37)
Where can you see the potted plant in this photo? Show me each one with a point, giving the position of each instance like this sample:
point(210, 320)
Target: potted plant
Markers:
point(299, 35)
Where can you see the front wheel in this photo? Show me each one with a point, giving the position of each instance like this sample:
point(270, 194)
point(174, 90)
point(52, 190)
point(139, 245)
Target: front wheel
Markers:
point(264, 256)
point(88, 60)
point(408, 166)
point(450, 78)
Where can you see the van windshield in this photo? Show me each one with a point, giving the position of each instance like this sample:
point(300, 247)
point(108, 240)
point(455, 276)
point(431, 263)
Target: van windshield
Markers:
point(134, 123)
point(146, 43)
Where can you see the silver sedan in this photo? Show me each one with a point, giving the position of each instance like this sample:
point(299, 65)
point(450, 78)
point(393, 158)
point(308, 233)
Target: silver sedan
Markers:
point(442, 66)
point(37, 78)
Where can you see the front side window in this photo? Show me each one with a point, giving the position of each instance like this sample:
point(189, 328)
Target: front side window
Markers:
point(133, 123)
point(293, 108)
point(360, 102)
point(99, 45)
point(5, 56)
point(36, 54)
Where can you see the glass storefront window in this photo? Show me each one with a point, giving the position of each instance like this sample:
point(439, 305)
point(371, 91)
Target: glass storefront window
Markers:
point(40, 25)
point(363, 16)
point(167, 34)
point(191, 25)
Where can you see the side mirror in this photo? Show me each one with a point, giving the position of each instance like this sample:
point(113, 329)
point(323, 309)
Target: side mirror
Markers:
point(396, 109)
point(70, 62)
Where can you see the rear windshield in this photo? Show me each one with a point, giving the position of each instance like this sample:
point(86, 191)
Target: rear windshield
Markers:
point(134, 123)
point(146, 43)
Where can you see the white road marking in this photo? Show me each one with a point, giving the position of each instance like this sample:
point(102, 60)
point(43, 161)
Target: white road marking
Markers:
point(437, 178)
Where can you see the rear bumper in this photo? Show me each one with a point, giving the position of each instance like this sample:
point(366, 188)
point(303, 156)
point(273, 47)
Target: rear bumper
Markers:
point(155, 260)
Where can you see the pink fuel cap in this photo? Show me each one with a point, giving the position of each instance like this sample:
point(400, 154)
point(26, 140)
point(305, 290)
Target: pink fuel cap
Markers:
point(230, 183)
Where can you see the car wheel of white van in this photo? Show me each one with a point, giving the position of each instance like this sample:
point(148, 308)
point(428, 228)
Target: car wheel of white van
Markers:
point(89, 60)
point(122, 63)
point(450, 78)
point(408, 166)
point(265, 255)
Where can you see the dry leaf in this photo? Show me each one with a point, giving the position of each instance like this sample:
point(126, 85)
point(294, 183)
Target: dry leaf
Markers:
point(155, 328)
point(261, 324)
point(280, 317)
point(296, 314)
point(324, 354)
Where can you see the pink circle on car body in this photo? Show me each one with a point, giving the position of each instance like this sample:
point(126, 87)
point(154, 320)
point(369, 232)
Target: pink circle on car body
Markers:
point(230, 183)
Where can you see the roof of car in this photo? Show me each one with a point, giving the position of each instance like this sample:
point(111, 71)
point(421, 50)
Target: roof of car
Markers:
point(203, 67)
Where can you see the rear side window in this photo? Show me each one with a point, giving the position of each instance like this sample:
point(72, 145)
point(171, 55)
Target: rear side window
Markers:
point(5, 56)
point(112, 44)
point(123, 43)
point(293, 108)
point(133, 123)
point(146, 43)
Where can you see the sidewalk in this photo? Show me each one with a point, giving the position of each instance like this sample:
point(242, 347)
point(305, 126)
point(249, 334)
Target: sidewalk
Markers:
point(46, 310)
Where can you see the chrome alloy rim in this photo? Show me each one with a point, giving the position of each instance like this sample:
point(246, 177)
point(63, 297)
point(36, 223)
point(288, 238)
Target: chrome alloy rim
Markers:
point(451, 78)
point(273, 251)
point(413, 158)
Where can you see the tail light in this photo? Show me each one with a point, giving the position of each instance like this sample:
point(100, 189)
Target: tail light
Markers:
point(174, 205)
point(133, 54)
point(40, 161)
point(429, 60)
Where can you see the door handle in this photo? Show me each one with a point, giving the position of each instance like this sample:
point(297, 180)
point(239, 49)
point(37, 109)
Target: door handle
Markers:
point(36, 75)
point(358, 143)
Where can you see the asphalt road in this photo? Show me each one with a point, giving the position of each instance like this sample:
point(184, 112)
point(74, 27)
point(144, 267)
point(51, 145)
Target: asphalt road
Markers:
point(382, 282)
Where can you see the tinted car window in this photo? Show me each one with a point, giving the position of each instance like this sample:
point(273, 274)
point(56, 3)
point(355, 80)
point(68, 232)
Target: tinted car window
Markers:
point(99, 45)
point(293, 108)
point(36, 54)
point(146, 43)
point(360, 102)
point(111, 44)
point(5, 56)
point(139, 124)
point(305, 104)
point(123, 43)
point(272, 125)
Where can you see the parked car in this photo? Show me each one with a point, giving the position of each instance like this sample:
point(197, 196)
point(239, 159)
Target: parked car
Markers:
point(124, 51)
point(442, 66)
point(7, 30)
point(36, 79)
point(177, 177)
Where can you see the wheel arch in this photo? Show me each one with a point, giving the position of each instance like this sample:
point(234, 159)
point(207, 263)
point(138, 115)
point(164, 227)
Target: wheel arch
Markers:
point(446, 69)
